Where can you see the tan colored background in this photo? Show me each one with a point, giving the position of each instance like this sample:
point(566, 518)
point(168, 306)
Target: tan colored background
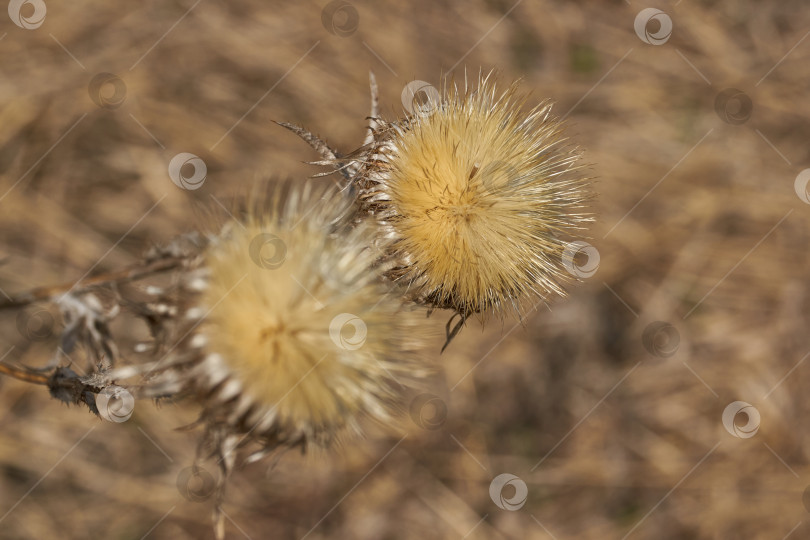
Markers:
point(632, 443)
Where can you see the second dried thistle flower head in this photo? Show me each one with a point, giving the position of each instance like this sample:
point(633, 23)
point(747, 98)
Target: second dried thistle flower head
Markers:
point(298, 336)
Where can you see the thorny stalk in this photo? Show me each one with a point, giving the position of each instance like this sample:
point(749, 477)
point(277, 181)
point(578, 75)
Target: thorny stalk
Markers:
point(23, 375)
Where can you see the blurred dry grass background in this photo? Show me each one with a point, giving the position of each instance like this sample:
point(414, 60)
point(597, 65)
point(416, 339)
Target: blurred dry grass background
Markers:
point(626, 442)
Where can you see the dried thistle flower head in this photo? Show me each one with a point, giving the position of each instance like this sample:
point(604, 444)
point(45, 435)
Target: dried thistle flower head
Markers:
point(298, 337)
point(475, 196)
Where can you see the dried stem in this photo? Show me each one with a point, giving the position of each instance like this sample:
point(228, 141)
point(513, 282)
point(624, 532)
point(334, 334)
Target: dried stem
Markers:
point(374, 114)
point(124, 275)
point(23, 375)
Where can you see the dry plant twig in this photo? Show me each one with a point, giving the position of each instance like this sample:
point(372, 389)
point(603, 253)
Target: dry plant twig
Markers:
point(117, 277)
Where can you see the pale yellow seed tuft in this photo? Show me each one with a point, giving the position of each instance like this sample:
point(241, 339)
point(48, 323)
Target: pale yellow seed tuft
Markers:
point(476, 195)
point(300, 317)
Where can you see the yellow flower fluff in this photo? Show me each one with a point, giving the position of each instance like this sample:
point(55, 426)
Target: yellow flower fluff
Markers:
point(301, 338)
point(476, 196)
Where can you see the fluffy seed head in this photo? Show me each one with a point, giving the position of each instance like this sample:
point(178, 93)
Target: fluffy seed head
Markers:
point(476, 196)
point(299, 335)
